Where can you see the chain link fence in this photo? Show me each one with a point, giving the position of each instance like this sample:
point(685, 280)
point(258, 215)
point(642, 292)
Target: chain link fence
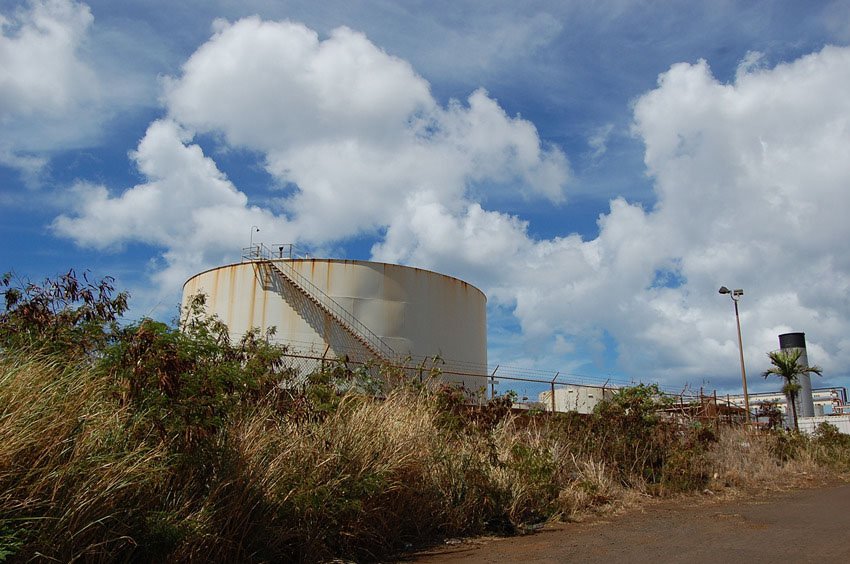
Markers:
point(529, 388)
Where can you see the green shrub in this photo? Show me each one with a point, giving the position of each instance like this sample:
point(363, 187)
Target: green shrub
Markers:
point(188, 381)
point(643, 448)
point(69, 315)
point(787, 445)
point(832, 448)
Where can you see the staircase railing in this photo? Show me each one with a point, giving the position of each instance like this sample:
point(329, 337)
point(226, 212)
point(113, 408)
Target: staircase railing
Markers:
point(342, 316)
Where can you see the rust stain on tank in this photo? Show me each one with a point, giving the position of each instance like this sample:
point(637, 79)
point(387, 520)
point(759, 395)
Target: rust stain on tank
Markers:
point(328, 267)
point(214, 298)
point(231, 293)
point(264, 298)
point(255, 287)
point(214, 290)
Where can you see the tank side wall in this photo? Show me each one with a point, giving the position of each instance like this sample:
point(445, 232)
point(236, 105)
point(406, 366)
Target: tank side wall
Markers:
point(236, 294)
point(416, 312)
point(435, 314)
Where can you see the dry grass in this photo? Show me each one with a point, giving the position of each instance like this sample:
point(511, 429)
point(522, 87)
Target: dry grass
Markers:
point(65, 461)
point(592, 488)
point(82, 476)
point(742, 458)
point(745, 458)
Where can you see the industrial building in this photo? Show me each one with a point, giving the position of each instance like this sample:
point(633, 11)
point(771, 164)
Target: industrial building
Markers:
point(575, 397)
point(813, 405)
point(826, 401)
point(359, 310)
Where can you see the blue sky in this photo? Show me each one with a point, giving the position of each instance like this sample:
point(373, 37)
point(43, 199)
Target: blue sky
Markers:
point(598, 169)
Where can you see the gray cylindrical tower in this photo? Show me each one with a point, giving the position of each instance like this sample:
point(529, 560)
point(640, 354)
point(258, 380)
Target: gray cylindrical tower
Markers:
point(805, 403)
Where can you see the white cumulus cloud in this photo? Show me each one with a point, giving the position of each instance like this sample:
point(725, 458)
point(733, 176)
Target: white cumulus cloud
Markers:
point(48, 92)
point(752, 190)
point(353, 129)
point(187, 206)
point(40, 71)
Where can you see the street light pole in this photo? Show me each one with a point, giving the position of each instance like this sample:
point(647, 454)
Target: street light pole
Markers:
point(253, 228)
point(736, 295)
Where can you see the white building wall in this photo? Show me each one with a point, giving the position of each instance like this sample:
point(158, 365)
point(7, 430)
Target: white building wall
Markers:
point(809, 424)
point(582, 399)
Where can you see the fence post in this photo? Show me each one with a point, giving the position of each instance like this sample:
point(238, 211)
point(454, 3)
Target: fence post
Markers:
point(716, 410)
point(324, 354)
point(552, 383)
point(493, 383)
point(553, 397)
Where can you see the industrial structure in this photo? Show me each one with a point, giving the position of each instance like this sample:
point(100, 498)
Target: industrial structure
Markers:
point(797, 341)
point(353, 309)
point(575, 397)
point(826, 401)
point(814, 405)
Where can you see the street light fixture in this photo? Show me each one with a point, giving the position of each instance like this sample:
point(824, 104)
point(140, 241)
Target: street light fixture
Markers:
point(736, 295)
point(253, 229)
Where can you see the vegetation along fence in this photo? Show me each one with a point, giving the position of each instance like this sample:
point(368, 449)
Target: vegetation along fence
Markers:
point(528, 388)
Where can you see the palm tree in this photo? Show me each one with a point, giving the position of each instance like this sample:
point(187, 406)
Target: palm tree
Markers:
point(786, 366)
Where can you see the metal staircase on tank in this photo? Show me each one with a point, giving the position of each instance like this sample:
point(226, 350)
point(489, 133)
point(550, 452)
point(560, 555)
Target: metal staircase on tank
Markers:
point(282, 270)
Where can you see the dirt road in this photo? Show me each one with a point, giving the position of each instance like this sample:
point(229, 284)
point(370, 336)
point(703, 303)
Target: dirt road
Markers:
point(811, 525)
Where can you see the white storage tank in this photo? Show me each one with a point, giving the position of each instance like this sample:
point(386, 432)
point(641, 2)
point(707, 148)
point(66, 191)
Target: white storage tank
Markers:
point(358, 309)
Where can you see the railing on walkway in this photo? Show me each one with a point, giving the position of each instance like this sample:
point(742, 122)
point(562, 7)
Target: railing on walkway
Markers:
point(261, 251)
